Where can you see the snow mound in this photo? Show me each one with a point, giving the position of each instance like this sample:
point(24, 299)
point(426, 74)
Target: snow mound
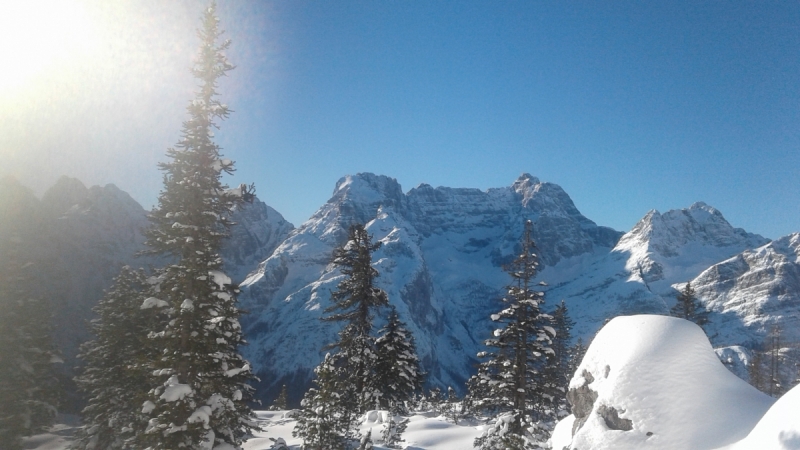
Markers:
point(779, 429)
point(654, 382)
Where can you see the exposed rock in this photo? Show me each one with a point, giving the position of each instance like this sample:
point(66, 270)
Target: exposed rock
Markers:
point(613, 421)
point(582, 399)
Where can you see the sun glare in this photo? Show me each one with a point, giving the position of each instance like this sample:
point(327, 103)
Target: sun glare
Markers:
point(38, 36)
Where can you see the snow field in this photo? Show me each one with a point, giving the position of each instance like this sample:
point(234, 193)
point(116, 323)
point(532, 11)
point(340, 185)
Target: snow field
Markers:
point(424, 431)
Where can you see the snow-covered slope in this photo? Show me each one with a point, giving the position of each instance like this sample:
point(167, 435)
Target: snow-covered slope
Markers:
point(638, 275)
point(779, 429)
point(654, 382)
point(757, 288)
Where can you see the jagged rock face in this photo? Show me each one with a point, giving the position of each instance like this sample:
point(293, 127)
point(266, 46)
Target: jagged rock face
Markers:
point(84, 236)
point(677, 245)
point(639, 275)
point(440, 263)
point(758, 288)
point(257, 232)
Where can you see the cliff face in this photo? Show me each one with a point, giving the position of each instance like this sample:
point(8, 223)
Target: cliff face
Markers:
point(440, 262)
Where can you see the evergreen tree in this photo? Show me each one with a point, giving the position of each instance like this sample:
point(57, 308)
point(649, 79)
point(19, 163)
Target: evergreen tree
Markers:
point(559, 371)
point(201, 392)
point(351, 370)
point(29, 389)
point(281, 402)
point(576, 356)
point(397, 366)
point(513, 374)
point(324, 419)
point(118, 361)
point(689, 308)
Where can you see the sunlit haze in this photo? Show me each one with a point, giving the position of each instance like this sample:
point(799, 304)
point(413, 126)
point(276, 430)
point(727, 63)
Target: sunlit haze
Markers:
point(629, 106)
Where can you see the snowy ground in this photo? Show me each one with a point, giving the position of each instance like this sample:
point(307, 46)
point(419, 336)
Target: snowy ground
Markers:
point(424, 432)
point(646, 382)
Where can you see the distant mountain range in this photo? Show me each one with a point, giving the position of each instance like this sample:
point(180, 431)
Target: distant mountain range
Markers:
point(440, 262)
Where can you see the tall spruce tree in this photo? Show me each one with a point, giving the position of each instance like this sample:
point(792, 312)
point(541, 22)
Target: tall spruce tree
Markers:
point(559, 369)
point(689, 308)
point(352, 367)
point(201, 392)
point(118, 362)
point(29, 388)
point(397, 366)
point(513, 373)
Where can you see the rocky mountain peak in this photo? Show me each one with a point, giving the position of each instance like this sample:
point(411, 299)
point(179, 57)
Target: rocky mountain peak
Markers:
point(524, 183)
point(66, 193)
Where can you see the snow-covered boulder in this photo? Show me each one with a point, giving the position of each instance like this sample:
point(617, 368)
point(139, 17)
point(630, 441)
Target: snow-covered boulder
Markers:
point(654, 382)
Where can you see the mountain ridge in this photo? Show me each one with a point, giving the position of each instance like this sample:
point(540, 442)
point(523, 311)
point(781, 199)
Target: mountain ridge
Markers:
point(440, 261)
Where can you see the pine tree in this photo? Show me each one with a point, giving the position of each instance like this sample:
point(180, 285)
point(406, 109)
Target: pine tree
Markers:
point(29, 388)
point(397, 366)
point(351, 369)
point(453, 406)
point(559, 368)
point(118, 361)
point(689, 308)
point(324, 419)
point(201, 393)
point(281, 402)
point(576, 356)
point(513, 374)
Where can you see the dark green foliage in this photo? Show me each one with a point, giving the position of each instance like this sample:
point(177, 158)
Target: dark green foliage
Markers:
point(281, 402)
point(346, 381)
point(397, 366)
point(325, 418)
point(577, 351)
point(559, 370)
point(452, 410)
point(29, 388)
point(200, 382)
point(118, 362)
point(689, 308)
point(393, 431)
point(512, 378)
point(500, 435)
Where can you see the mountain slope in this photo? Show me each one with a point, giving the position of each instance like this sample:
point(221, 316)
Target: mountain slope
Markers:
point(441, 264)
point(638, 274)
point(754, 291)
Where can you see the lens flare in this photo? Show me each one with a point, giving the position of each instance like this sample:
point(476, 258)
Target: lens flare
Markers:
point(41, 36)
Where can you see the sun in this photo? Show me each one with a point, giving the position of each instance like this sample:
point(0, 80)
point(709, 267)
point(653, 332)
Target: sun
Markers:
point(41, 36)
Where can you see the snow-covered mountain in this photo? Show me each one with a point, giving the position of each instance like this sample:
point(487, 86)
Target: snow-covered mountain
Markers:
point(638, 274)
point(258, 230)
point(78, 238)
point(754, 291)
point(441, 264)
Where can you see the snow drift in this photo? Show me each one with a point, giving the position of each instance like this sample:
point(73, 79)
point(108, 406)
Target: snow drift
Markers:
point(654, 382)
point(779, 429)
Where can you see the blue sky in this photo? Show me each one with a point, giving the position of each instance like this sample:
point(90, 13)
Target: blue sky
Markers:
point(629, 106)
